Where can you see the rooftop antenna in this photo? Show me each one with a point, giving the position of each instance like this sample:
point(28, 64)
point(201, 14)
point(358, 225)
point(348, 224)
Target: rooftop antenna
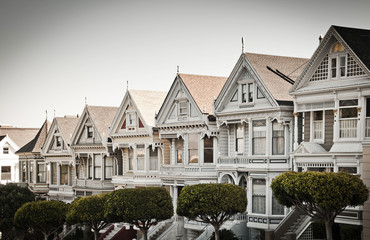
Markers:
point(178, 69)
point(242, 44)
point(46, 111)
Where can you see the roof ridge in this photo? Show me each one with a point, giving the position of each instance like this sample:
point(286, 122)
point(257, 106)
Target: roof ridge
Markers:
point(265, 54)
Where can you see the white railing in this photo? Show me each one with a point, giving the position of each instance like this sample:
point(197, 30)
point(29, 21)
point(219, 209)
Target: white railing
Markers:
point(188, 170)
point(233, 160)
point(96, 184)
point(348, 128)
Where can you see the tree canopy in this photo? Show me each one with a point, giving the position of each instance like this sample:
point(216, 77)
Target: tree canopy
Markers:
point(321, 195)
point(211, 203)
point(142, 207)
point(12, 197)
point(90, 211)
point(43, 216)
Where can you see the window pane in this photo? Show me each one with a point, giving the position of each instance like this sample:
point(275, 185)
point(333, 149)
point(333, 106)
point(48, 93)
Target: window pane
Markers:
point(239, 146)
point(64, 175)
point(347, 103)
point(352, 170)
point(97, 165)
point(108, 168)
point(277, 139)
point(317, 115)
point(259, 142)
point(130, 159)
point(250, 92)
point(179, 147)
point(342, 66)
point(208, 149)
point(333, 67)
point(235, 97)
point(140, 154)
point(244, 93)
point(259, 196)
point(348, 112)
point(277, 208)
point(53, 173)
point(6, 173)
point(41, 173)
point(193, 147)
point(153, 159)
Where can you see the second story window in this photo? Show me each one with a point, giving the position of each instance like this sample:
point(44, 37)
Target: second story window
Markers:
point(318, 125)
point(140, 155)
point(278, 146)
point(239, 140)
point(208, 149)
point(179, 150)
point(348, 118)
point(259, 137)
point(193, 140)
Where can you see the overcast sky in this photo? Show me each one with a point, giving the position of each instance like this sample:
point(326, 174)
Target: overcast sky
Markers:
point(53, 54)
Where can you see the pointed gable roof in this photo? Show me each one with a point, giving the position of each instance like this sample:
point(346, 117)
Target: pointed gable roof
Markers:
point(355, 42)
point(358, 40)
point(203, 89)
point(67, 125)
point(289, 66)
point(148, 103)
point(34, 146)
point(102, 117)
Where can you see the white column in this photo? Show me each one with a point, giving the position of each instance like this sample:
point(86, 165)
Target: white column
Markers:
point(215, 150)
point(295, 130)
point(250, 136)
point(249, 195)
point(174, 198)
point(58, 173)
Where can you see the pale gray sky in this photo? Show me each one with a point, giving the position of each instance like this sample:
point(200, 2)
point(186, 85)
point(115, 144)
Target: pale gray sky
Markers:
point(53, 54)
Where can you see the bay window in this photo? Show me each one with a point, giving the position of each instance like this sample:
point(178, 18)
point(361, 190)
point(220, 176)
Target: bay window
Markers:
point(41, 172)
point(108, 166)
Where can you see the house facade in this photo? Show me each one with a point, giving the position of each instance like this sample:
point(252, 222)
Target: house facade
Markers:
point(332, 108)
point(137, 149)
point(187, 125)
point(32, 167)
point(92, 156)
point(58, 158)
point(11, 140)
point(255, 122)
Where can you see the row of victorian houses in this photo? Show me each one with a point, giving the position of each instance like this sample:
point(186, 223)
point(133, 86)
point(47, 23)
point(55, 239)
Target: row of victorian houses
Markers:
point(271, 115)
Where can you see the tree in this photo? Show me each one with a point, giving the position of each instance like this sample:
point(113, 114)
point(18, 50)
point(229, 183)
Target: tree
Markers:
point(321, 195)
point(12, 197)
point(43, 216)
point(90, 211)
point(143, 207)
point(211, 203)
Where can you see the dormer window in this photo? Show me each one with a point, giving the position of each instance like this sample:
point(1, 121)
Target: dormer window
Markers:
point(131, 120)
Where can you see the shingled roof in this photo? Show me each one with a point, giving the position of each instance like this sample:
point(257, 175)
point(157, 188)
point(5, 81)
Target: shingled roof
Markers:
point(67, 125)
point(148, 103)
point(203, 89)
point(358, 40)
point(289, 66)
point(20, 136)
point(102, 116)
point(34, 146)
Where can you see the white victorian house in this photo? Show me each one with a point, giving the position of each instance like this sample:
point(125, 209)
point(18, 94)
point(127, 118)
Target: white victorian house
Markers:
point(92, 156)
point(332, 109)
point(188, 130)
point(58, 156)
point(255, 118)
point(138, 151)
point(11, 140)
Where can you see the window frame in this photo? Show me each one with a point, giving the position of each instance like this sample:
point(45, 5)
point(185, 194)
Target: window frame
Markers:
point(5, 150)
point(312, 127)
point(355, 118)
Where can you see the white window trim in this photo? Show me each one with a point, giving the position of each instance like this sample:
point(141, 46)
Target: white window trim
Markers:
point(337, 56)
point(355, 118)
point(312, 132)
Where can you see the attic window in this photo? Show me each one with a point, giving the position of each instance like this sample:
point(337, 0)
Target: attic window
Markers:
point(183, 108)
point(131, 120)
point(58, 142)
point(5, 150)
point(90, 132)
